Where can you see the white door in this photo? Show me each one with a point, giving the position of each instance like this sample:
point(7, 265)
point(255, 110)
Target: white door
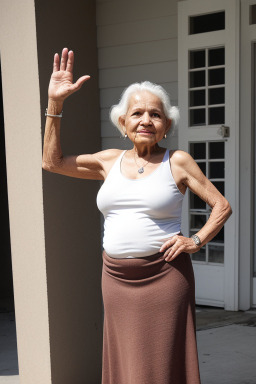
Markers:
point(247, 278)
point(209, 131)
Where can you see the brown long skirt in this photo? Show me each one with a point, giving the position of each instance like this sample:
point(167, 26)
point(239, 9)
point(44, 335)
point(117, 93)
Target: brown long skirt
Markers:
point(149, 321)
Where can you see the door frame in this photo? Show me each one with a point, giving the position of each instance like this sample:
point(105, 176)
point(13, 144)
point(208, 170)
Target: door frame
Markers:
point(195, 7)
point(247, 147)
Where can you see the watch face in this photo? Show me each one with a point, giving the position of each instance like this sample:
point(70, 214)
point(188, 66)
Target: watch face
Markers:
point(196, 239)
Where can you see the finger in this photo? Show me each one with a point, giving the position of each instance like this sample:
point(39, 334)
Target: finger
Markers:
point(70, 62)
point(168, 255)
point(169, 252)
point(173, 254)
point(172, 250)
point(78, 84)
point(176, 254)
point(167, 244)
point(64, 58)
point(56, 63)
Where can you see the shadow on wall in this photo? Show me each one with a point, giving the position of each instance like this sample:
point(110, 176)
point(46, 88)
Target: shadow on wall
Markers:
point(72, 221)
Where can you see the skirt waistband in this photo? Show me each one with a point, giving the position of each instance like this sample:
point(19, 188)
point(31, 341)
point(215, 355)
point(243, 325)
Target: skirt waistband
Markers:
point(136, 268)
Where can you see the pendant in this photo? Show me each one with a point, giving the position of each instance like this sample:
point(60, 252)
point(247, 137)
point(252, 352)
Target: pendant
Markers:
point(141, 170)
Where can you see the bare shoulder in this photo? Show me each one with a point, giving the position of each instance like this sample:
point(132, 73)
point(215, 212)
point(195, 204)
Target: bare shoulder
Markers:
point(179, 161)
point(101, 157)
point(98, 163)
point(184, 161)
point(181, 158)
point(109, 154)
point(184, 167)
point(107, 159)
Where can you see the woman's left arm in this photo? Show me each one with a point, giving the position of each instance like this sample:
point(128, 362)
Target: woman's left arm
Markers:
point(192, 177)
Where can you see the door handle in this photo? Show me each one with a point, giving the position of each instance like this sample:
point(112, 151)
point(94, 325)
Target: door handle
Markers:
point(224, 131)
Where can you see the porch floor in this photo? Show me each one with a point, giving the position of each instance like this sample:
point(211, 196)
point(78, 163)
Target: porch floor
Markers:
point(226, 346)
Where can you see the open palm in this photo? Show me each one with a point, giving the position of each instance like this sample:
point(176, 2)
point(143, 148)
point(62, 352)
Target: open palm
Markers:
point(61, 82)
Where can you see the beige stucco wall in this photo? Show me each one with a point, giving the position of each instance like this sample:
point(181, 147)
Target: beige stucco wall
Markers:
point(54, 222)
point(23, 156)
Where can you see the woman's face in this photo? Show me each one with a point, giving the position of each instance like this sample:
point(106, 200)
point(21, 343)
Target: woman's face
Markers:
point(145, 121)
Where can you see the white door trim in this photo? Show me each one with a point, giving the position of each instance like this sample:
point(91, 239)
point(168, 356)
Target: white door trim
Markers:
point(231, 38)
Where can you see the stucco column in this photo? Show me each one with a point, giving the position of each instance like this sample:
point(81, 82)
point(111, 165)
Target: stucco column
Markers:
point(72, 220)
point(23, 156)
point(54, 222)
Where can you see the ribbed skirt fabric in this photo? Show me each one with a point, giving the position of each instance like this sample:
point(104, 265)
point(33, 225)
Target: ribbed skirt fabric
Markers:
point(149, 321)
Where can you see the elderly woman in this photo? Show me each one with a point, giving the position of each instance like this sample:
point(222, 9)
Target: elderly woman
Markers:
point(147, 276)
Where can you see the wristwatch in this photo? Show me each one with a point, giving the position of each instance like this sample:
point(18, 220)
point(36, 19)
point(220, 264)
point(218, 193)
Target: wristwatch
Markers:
point(196, 239)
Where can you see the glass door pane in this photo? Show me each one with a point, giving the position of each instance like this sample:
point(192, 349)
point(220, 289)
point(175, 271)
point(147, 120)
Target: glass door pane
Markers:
point(207, 23)
point(210, 157)
point(207, 87)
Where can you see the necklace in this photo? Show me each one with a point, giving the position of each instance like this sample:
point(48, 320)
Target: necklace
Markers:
point(141, 169)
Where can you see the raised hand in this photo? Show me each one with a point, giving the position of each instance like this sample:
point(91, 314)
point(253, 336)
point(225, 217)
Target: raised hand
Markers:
point(61, 82)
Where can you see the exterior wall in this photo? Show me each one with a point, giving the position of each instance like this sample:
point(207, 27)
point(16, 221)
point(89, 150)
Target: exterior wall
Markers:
point(137, 41)
point(71, 217)
point(24, 175)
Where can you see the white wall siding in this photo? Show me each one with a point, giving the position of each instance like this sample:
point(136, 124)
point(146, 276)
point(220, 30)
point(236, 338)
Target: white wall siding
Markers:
point(139, 53)
point(137, 41)
point(157, 72)
point(113, 12)
point(137, 31)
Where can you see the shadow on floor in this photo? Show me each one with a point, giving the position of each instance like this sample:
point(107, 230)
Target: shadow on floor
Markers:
point(8, 343)
point(211, 317)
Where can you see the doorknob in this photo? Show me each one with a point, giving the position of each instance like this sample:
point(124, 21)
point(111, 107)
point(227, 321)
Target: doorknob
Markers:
point(224, 131)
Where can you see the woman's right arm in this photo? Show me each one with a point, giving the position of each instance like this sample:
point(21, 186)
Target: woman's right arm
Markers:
point(92, 166)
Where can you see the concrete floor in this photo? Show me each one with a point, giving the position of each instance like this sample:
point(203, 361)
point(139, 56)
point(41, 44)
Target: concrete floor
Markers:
point(226, 346)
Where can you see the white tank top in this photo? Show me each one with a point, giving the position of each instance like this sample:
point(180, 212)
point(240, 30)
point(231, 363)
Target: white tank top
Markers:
point(140, 215)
